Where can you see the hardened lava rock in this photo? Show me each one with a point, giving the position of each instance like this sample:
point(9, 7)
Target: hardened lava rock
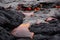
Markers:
point(46, 37)
point(24, 38)
point(10, 19)
point(46, 31)
point(45, 27)
point(5, 35)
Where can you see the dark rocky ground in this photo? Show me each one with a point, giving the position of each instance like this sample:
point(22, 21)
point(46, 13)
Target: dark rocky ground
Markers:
point(42, 31)
point(45, 31)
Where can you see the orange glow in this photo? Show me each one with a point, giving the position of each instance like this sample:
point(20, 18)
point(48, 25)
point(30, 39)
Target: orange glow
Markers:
point(37, 9)
point(57, 6)
point(25, 25)
point(28, 9)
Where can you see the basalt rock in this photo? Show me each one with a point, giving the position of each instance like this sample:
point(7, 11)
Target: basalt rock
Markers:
point(10, 19)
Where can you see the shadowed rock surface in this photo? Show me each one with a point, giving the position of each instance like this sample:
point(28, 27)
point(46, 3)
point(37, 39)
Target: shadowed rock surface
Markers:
point(8, 21)
point(44, 31)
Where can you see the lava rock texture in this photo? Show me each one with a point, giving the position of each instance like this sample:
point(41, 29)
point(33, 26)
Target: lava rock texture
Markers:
point(46, 31)
point(8, 21)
